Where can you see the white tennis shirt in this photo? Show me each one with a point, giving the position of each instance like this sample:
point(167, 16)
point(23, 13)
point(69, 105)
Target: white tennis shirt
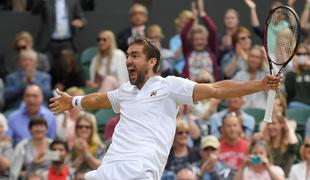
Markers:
point(148, 119)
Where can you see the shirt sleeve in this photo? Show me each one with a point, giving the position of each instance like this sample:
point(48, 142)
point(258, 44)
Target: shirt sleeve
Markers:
point(181, 89)
point(114, 100)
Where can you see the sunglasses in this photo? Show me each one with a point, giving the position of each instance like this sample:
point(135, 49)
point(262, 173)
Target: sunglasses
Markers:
point(182, 132)
point(102, 39)
point(209, 149)
point(307, 145)
point(244, 38)
point(83, 126)
point(301, 53)
point(21, 47)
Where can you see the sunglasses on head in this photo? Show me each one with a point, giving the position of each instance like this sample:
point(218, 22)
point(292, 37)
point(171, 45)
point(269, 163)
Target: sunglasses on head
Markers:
point(83, 126)
point(182, 132)
point(102, 39)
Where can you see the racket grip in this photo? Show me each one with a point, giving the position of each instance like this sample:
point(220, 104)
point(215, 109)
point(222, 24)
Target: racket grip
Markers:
point(269, 107)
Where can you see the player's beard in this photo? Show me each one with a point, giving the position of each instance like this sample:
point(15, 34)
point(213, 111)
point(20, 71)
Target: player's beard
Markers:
point(141, 75)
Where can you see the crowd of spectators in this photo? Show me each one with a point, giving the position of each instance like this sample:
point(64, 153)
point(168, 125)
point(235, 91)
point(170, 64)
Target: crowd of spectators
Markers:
point(214, 139)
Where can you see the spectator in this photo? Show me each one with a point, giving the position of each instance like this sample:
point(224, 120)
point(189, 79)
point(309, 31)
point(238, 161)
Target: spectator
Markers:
point(186, 174)
point(16, 82)
point(24, 41)
point(297, 83)
point(181, 155)
point(255, 70)
point(58, 169)
point(87, 150)
point(29, 154)
point(282, 141)
point(233, 105)
point(108, 67)
point(58, 25)
point(231, 23)
point(2, 102)
point(234, 147)
point(200, 49)
point(21, 5)
point(138, 16)
point(68, 72)
point(254, 17)
point(185, 114)
point(66, 122)
point(167, 61)
point(19, 120)
point(258, 164)
point(210, 166)
point(235, 60)
point(300, 171)
point(6, 150)
point(175, 43)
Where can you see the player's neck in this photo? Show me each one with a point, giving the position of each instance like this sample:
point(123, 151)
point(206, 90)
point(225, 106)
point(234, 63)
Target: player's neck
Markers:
point(147, 77)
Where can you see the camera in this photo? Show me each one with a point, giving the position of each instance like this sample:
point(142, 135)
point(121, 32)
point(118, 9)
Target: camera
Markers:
point(52, 156)
point(256, 160)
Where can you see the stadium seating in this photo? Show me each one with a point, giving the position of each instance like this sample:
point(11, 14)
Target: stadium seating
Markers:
point(258, 115)
point(300, 115)
point(86, 57)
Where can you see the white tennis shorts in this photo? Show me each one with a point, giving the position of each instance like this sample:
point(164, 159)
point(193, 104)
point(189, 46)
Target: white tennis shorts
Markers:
point(123, 170)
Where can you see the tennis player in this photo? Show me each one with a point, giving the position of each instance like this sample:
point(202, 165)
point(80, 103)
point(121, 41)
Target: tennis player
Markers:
point(148, 106)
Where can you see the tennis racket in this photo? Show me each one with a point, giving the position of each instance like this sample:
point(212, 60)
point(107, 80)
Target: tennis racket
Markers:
point(281, 38)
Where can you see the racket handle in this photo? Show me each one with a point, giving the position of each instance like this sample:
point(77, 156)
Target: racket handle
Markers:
point(269, 107)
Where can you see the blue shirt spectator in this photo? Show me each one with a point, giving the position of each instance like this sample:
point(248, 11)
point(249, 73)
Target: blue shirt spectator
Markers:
point(19, 120)
point(216, 120)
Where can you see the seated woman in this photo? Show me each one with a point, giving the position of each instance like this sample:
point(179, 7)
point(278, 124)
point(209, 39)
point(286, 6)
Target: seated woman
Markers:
point(258, 165)
point(301, 170)
point(24, 41)
point(181, 155)
point(235, 60)
point(6, 149)
point(108, 68)
point(68, 71)
point(29, 154)
point(87, 150)
point(282, 141)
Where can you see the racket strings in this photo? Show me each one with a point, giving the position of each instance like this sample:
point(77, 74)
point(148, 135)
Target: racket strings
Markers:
point(282, 34)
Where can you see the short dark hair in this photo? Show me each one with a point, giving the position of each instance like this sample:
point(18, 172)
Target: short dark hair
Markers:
point(37, 120)
point(149, 49)
point(59, 141)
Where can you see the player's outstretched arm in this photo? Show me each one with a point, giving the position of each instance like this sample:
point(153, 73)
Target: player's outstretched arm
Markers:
point(230, 88)
point(91, 101)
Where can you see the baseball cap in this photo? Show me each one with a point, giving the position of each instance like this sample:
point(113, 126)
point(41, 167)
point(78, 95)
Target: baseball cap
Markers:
point(210, 141)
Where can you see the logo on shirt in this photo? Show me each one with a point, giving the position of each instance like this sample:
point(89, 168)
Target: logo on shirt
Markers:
point(153, 93)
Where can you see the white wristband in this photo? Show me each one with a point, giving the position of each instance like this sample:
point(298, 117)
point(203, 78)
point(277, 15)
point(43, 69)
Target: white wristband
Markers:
point(77, 101)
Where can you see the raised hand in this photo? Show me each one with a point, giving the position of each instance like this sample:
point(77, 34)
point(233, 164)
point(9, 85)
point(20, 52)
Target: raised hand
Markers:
point(201, 8)
point(250, 3)
point(194, 9)
point(62, 103)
